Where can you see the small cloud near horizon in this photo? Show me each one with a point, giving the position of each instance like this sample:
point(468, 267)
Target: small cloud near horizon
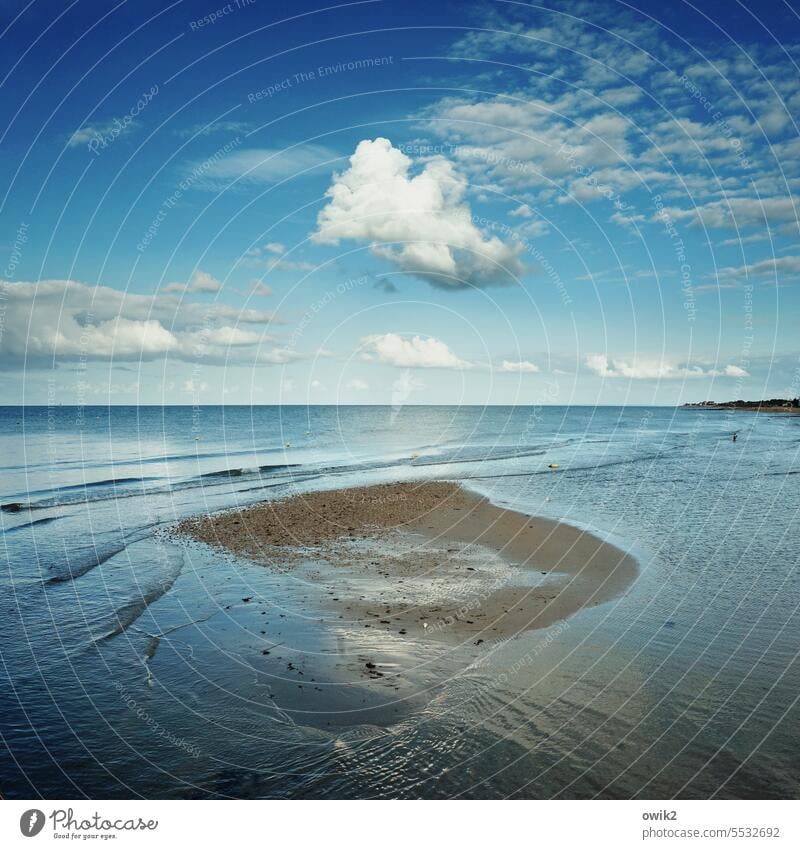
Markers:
point(414, 352)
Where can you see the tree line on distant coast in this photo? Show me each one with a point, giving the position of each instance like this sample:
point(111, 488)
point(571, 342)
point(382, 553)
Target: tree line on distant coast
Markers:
point(787, 403)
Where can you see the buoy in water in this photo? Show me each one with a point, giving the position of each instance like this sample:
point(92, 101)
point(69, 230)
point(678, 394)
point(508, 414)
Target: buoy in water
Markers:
point(553, 466)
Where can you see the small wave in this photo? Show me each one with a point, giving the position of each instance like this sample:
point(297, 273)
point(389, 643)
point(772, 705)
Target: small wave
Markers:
point(208, 455)
point(304, 479)
point(126, 615)
point(74, 499)
point(115, 495)
point(228, 473)
point(71, 489)
point(82, 463)
point(489, 457)
point(574, 468)
point(129, 613)
point(237, 473)
point(14, 507)
point(32, 524)
point(93, 484)
point(97, 555)
point(278, 466)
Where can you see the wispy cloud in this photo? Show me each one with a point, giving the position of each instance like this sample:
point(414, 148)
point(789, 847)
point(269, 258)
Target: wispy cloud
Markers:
point(269, 165)
point(232, 127)
point(788, 266)
point(740, 212)
point(518, 367)
point(272, 257)
point(113, 128)
point(725, 156)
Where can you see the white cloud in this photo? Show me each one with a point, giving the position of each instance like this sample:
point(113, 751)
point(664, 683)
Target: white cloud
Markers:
point(541, 140)
point(266, 258)
point(629, 222)
point(622, 96)
point(358, 385)
point(420, 223)
point(717, 287)
point(112, 129)
point(533, 228)
point(540, 144)
point(224, 337)
point(787, 265)
point(753, 237)
point(732, 371)
point(258, 287)
point(289, 265)
point(71, 322)
point(201, 281)
point(414, 352)
point(535, 139)
point(740, 212)
point(518, 366)
point(774, 120)
point(119, 338)
point(204, 282)
point(643, 369)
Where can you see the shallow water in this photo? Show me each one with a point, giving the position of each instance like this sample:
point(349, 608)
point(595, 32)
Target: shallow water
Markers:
point(133, 666)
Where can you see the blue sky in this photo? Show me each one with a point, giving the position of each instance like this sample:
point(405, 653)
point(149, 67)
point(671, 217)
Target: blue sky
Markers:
point(399, 202)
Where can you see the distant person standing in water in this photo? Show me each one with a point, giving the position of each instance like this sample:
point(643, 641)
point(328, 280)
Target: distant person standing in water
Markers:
point(735, 434)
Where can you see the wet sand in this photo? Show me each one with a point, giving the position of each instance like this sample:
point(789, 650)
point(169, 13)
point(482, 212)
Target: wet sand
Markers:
point(425, 559)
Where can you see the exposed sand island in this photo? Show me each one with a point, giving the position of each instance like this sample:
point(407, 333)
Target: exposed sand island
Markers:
point(426, 557)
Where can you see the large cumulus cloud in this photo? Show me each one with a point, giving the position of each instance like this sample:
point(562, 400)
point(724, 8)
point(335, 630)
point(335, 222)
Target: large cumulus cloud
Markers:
point(420, 223)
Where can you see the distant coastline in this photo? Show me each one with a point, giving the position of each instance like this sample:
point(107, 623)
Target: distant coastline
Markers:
point(770, 405)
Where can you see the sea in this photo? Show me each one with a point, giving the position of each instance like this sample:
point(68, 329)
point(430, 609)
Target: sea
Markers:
point(134, 664)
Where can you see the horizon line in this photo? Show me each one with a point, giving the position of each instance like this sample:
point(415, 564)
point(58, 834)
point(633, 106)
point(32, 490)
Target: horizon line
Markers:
point(332, 404)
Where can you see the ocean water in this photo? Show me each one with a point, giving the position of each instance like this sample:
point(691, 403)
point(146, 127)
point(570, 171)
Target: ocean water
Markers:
point(133, 665)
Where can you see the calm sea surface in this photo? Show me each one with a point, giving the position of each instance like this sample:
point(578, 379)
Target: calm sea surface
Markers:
point(131, 666)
